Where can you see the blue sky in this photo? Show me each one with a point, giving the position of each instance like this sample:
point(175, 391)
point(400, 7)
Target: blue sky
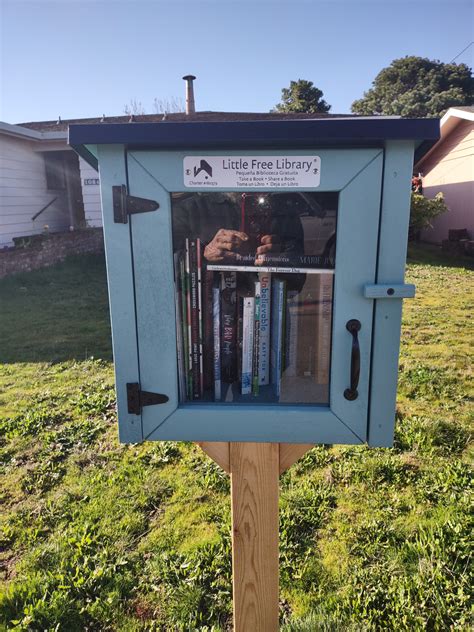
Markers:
point(80, 58)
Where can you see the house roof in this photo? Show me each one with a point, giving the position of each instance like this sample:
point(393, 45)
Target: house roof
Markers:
point(450, 120)
point(28, 133)
point(175, 117)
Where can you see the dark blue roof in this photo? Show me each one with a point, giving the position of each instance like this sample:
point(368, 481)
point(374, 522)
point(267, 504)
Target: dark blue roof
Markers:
point(270, 134)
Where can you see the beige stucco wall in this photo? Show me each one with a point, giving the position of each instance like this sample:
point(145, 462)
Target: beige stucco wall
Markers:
point(450, 169)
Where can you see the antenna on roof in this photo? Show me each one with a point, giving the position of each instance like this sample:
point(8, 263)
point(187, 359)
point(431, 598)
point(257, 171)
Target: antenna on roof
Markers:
point(58, 122)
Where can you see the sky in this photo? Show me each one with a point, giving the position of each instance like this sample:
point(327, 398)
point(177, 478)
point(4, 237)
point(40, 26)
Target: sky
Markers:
point(85, 58)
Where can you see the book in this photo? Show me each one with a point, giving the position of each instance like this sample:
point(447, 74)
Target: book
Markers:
point(178, 279)
point(256, 342)
point(307, 314)
point(208, 329)
point(189, 363)
point(184, 321)
point(291, 333)
point(323, 329)
point(200, 315)
point(248, 325)
point(216, 314)
point(229, 327)
point(265, 324)
point(277, 333)
point(195, 322)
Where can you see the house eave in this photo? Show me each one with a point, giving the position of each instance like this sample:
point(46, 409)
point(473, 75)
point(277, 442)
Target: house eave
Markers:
point(452, 118)
point(17, 131)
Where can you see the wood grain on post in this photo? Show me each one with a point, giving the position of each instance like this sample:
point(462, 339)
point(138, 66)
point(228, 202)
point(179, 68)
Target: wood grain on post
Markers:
point(254, 484)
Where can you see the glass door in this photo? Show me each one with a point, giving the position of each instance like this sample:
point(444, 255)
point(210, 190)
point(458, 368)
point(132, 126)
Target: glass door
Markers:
point(254, 275)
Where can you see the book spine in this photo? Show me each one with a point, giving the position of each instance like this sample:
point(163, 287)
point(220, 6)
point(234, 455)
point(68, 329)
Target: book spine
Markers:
point(216, 314)
point(265, 324)
point(195, 325)
point(247, 344)
point(291, 333)
point(277, 328)
point(179, 330)
point(188, 321)
point(323, 359)
point(229, 326)
point(200, 315)
point(208, 328)
point(256, 342)
point(184, 321)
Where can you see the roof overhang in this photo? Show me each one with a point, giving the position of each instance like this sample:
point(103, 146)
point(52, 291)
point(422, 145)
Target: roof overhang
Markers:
point(18, 131)
point(293, 134)
point(448, 123)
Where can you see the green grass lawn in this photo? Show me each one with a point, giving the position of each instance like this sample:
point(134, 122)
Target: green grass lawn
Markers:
point(100, 536)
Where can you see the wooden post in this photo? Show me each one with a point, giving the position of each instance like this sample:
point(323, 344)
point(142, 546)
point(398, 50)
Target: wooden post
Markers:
point(254, 469)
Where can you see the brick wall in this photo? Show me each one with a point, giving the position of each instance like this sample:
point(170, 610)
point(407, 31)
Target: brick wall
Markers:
point(40, 251)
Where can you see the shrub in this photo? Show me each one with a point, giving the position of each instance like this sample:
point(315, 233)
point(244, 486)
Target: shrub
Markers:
point(423, 211)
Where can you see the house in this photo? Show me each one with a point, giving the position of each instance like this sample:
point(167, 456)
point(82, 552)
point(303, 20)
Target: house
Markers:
point(449, 168)
point(46, 187)
point(43, 184)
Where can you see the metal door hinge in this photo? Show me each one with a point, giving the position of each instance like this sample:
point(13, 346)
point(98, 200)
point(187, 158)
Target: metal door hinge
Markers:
point(136, 398)
point(125, 205)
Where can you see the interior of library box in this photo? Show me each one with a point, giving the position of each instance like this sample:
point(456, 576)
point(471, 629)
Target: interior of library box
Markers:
point(254, 327)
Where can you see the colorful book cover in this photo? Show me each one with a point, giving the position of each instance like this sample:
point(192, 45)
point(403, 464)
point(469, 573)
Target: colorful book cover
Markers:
point(248, 326)
point(216, 322)
point(277, 333)
point(265, 324)
point(229, 327)
point(256, 342)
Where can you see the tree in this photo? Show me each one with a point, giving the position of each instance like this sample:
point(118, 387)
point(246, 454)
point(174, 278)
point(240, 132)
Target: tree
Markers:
point(134, 107)
point(417, 87)
point(160, 106)
point(302, 96)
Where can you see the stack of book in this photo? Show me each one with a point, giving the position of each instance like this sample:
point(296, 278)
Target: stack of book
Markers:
point(249, 334)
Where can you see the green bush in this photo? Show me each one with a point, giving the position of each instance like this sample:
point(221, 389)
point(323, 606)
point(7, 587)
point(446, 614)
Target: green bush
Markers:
point(423, 210)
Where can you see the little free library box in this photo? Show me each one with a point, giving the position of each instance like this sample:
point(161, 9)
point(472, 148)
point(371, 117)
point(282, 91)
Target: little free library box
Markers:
point(256, 274)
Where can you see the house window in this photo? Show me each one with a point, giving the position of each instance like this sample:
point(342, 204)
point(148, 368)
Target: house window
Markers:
point(55, 172)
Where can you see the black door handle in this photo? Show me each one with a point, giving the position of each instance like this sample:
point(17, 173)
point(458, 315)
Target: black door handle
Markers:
point(353, 327)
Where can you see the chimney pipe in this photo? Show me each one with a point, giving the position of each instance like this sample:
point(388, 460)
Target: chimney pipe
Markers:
point(190, 109)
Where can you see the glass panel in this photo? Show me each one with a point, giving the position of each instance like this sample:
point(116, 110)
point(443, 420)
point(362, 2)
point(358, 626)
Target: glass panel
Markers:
point(254, 286)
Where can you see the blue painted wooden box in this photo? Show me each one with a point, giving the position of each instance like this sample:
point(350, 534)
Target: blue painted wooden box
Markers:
point(364, 164)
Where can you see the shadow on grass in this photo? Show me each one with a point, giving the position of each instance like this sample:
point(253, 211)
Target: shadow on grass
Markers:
point(432, 255)
point(57, 313)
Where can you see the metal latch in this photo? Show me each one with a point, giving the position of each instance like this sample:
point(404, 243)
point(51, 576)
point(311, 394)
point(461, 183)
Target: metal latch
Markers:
point(125, 205)
point(387, 290)
point(136, 398)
